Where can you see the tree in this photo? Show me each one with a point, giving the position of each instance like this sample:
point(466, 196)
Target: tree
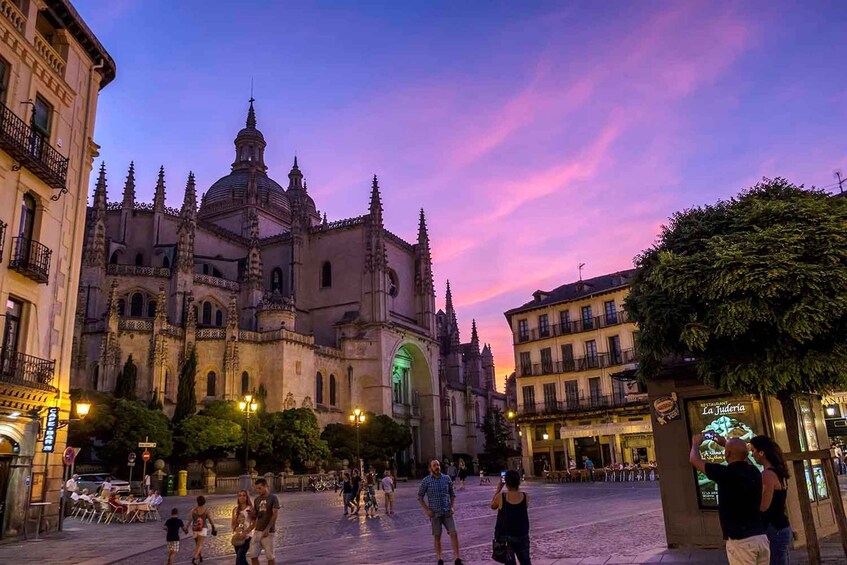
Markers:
point(206, 437)
point(126, 382)
point(295, 436)
point(497, 431)
point(186, 397)
point(380, 438)
point(260, 436)
point(755, 288)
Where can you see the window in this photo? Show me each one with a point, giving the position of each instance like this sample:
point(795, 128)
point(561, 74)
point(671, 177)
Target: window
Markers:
point(167, 390)
point(523, 330)
point(550, 396)
point(565, 321)
point(139, 259)
point(611, 312)
point(539, 432)
point(219, 318)
point(245, 382)
point(210, 384)
point(453, 410)
point(276, 279)
point(319, 389)
point(591, 361)
point(151, 309)
point(567, 358)
point(326, 275)
point(41, 114)
point(526, 364)
point(529, 398)
point(5, 69)
point(333, 400)
point(114, 258)
point(166, 263)
point(615, 356)
point(476, 412)
point(11, 334)
point(546, 361)
point(543, 326)
point(618, 389)
point(96, 379)
point(27, 225)
point(572, 393)
point(595, 389)
point(392, 283)
point(207, 313)
point(587, 318)
point(136, 305)
point(121, 307)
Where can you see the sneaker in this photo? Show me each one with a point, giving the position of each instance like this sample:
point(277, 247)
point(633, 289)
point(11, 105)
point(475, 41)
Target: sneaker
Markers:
point(440, 562)
point(458, 562)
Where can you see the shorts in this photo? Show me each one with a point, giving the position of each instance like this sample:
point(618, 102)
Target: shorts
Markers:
point(257, 544)
point(173, 546)
point(389, 496)
point(201, 533)
point(438, 520)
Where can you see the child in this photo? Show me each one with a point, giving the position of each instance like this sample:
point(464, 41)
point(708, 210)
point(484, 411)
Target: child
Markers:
point(173, 525)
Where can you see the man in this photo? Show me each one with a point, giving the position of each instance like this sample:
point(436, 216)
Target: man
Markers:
point(266, 507)
point(739, 497)
point(106, 487)
point(146, 485)
point(439, 506)
point(71, 493)
point(588, 464)
point(389, 485)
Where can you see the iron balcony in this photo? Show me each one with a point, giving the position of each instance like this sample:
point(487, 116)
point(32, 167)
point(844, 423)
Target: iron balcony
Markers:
point(577, 364)
point(582, 403)
point(31, 259)
point(573, 327)
point(26, 370)
point(31, 150)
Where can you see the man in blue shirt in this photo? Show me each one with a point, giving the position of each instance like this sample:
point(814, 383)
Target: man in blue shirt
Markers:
point(440, 500)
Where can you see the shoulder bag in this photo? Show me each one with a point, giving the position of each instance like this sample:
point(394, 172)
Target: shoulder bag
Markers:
point(501, 550)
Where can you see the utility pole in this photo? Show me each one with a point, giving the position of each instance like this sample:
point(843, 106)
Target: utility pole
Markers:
point(840, 181)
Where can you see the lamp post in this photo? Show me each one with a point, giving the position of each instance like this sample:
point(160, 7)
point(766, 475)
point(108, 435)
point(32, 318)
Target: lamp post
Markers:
point(357, 418)
point(249, 407)
point(83, 407)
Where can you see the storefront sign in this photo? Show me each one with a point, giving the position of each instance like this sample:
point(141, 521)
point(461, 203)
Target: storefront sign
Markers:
point(50, 430)
point(608, 429)
point(666, 408)
point(733, 417)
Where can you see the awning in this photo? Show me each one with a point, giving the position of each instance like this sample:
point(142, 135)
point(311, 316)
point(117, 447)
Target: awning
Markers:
point(609, 429)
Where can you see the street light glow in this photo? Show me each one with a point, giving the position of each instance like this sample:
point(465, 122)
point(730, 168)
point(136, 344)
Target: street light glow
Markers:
point(83, 407)
point(242, 406)
point(510, 414)
point(546, 437)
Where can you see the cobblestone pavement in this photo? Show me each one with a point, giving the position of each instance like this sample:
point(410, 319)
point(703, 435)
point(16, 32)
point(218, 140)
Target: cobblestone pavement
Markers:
point(585, 524)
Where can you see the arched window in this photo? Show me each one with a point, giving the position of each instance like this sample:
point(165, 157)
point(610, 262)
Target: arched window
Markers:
point(151, 309)
point(139, 259)
point(166, 263)
point(393, 287)
point(167, 384)
point(219, 318)
point(476, 412)
point(114, 258)
point(210, 383)
point(453, 410)
point(326, 275)
point(121, 307)
point(27, 217)
point(332, 395)
point(245, 383)
point(276, 279)
point(319, 389)
point(207, 313)
point(136, 305)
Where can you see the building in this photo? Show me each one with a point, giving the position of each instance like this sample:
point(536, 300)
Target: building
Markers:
point(569, 342)
point(330, 316)
point(52, 68)
point(468, 387)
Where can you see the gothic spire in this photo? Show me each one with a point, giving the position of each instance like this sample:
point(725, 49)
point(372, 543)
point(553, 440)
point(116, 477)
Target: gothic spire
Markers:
point(189, 202)
point(423, 233)
point(159, 196)
point(129, 188)
point(449, 297)
point(474, 336)
point(376, 203)
point(452, 323)
point(251, 115)
point(100, 189)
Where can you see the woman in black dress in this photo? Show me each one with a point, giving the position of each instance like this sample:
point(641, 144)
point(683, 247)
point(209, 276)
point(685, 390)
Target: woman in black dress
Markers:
point(768, 454)
point(512, 517)
point(463, 473)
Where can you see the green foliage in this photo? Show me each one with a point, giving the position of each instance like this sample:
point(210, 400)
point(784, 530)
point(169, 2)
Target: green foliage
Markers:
point(497, 431)
point(294, 435)
point(126, 382)
point(206, 437)
point(380, 438)
point(186, 398)
point(754, 287)
point(228, 410)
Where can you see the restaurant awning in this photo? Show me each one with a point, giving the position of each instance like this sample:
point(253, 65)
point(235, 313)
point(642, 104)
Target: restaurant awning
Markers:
point(608, 429)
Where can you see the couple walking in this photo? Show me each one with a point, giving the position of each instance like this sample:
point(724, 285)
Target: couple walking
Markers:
point(254, 524)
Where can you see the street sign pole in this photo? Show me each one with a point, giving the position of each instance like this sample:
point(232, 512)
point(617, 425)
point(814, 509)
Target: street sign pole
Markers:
point(130, 462)
point(145, 457)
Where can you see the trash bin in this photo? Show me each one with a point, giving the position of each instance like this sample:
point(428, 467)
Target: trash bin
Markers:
point(170, 485)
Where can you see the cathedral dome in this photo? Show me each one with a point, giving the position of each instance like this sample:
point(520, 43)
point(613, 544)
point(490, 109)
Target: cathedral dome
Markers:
point(233, 188)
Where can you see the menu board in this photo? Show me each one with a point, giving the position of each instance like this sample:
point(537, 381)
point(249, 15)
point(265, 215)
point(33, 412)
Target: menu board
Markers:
point(738, 417)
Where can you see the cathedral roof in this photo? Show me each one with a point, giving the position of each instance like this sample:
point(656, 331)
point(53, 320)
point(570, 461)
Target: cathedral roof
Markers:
point(233, 188)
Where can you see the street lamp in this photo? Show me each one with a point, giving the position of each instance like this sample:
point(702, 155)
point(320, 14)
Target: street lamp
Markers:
point(546, 436)
point(248, 406)
point(357, 418)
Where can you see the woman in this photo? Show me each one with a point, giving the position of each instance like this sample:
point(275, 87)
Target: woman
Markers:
point(463, 474)
point(199, 518)
point(357, 488)
point(774, 490)
point(370, 494)
point(512, 517)
point(347, 492)
point(242, 525)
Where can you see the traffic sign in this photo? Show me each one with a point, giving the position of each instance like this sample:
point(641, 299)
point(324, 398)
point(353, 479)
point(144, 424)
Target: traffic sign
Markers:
point(69, 455)
point(130, 458)
point(146, 444)
point(145, 456)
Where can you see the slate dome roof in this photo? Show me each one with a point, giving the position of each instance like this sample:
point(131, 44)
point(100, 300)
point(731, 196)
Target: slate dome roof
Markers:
point(233, 188)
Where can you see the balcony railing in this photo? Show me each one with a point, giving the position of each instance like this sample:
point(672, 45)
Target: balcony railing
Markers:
point(582, 403)
point(26, 370)
point(49, 54)
point(2, 238)
point(31, 259)
point(13, 15)
point(574, 327)
point(137, 271)
point(216, 281)
point(587, 363)
point(30, 148)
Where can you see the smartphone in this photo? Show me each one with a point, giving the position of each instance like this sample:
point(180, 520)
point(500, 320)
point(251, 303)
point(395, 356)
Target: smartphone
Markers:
point(709, 435)
point(502, 476)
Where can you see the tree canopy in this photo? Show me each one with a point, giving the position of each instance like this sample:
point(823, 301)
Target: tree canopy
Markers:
point(380, 438)
point(497, 431)
point(207, 437)
point(755, 288)
point(294, 435)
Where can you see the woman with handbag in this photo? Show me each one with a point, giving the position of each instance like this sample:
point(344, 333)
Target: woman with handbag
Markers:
point(511, 533)
point(199, 519)
point(242, 526)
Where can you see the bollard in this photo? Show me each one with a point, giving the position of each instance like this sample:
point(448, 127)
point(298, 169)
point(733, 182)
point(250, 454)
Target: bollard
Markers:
point(182, 483)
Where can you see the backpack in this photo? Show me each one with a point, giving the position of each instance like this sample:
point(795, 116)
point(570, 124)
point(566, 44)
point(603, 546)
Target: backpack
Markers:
point(199, 522)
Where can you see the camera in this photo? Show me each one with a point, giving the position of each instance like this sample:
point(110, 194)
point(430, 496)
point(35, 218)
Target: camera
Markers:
point(502, 476)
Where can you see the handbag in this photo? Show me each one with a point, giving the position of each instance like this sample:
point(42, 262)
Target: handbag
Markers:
point(239, 538)
point(501, 550)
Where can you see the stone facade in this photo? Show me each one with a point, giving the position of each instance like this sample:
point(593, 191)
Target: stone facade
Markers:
point(324, 315)
point(52, 68)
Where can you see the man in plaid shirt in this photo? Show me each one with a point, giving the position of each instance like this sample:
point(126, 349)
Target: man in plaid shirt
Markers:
point(440, 499)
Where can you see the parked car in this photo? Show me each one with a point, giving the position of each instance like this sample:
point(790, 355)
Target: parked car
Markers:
point(92, 482)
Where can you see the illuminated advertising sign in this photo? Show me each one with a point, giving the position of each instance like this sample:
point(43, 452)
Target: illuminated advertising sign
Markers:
point(50, 428)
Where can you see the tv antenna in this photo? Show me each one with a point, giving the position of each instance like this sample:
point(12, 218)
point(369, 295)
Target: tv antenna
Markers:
point(581, 265)
point(841, 180)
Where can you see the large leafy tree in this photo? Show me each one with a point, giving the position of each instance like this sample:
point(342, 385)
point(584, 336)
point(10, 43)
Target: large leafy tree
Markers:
point(294, 436)
point(497, 431)
point(126, 382)
point(755, 288)
point(260, 435)
point(186, 396)
point(206, 437)
point(380, 438)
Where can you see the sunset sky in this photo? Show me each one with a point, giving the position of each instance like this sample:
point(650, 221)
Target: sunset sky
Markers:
point(536, 135)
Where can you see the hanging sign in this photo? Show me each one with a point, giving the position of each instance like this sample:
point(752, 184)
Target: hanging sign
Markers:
point(666, 408)
point(50, 430)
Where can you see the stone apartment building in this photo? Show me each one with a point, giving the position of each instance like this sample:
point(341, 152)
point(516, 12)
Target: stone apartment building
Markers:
point(52, 69)
point(569, 343)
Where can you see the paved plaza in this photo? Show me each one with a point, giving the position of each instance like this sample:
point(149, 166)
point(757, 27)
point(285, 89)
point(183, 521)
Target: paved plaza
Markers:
point(571, 523)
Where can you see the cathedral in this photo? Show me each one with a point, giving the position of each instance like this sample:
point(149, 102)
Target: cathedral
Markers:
point(329, 316)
